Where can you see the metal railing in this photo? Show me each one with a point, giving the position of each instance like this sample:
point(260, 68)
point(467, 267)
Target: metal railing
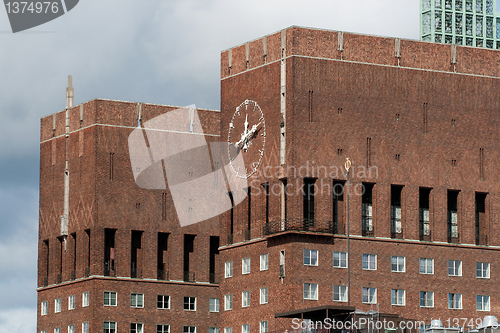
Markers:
point(189, 276)
point(298, 224)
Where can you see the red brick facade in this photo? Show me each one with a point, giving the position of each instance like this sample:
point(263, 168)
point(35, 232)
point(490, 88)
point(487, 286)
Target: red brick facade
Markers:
point(419, 120)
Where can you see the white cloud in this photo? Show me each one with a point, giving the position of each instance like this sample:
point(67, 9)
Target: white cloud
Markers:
point(19, 320)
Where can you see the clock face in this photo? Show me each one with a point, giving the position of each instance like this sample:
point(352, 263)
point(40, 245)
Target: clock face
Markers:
point(247, 136)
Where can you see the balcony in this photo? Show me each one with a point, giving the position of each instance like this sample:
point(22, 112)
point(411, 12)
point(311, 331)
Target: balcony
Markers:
point(298, 225)
point(162, 274)
point(189, 276)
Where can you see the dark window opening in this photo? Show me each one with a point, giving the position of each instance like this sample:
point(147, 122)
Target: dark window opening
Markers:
point(481, 222)
point(87, 269)
point(311, 106)
point(231, 226)
point(162, 262)
point(111, 162)
point(338, 207)
point(136, 255)
point(453, 234)
point(47, 261)
point(214, 252)
point(109, 252)
point(424, 212)
point(266, 189)
point(249, 213)
point(189, 276)
point(366, 210)
point(396, 225)
point(309, 188)
point(368, 152)
point(73, 271)
point(164, 206)
point(61, 249)
point(284, 195)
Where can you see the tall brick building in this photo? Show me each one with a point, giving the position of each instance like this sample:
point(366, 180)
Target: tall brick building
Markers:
point(419, 123)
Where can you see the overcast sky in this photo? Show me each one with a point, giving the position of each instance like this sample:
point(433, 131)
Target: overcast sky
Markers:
point(150, 51)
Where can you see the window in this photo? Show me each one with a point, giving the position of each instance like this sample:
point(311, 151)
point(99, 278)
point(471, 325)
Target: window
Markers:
point(426, 266)
point(454, 268)
point(189, 329)
point(228, 302)
point(263, 326)
point(228, 272)
point(163, 302)
point(57, 305)
point(213, 330)
point(245, 328)
point(340, 293)
point(71, 302)
point(214, 305)
point(340, 259)
point(308, 200)
point(453, 215)
point(85, 327)
point(85, 299)
point(110, 327)
point(366, 210)
point(427, 299)
point(228, 330)
point(397, 297)
point(44, 331)
point(454, 301)
point(44, 308)
point(162, 328)
point(110, 298)
point(424, 225)
point(57, 330)
point(264, 262)
point(245, 299)
point(71, 328)
point(245, 266)
point(311, 291)
point(482, 303)
point(136, 328)
point(396, 228)
point(370, 261)
point(190, 303)
point(263, 295)
point(482, 270)
point(397, 264)
point(310, 257)
point(369, 295)
point(136, 300)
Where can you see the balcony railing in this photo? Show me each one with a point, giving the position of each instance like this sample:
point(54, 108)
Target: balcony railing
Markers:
point(162, 274)
point(298, 224)
point(189, 276)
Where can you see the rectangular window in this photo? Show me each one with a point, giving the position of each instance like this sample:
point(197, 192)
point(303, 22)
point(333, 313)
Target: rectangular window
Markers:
point(136, 300)
point(340, 293)
point(396, 227)
point(85, 299)
point(454, 301)
point(214, 305)
point(454, 268)
point(161, 328)
point(308, 200)
point(136, 328)
point(282, 263)
point(483, 270)
point(452, 216)
point(228, 269)
point(228, 330)
point(71, 328)
point(310, 257)
point(109, 327)
point(397, 297)
point(57, 307)
point(263, 326)
point(44, 308)
point(311, 291)
point(264, 262)
point(482, 303)
point(110, 298)
point(245, 299)
point(228, 302)
point(369, 295)
point(44, 331)
point(263, 295)
point(424, 226)
point(190, 303)
point(481, 220)
point(163, 302)
point(366, 210)
point(71, 302)
point(189, 329)
point(245, 266)
point(398, 264)
point(426, 299)
point(340, 259)
point(57, 330)
point(245, 328)
point(370, 261)
point(213, 330)
point(426, 266)
point(85, 327)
